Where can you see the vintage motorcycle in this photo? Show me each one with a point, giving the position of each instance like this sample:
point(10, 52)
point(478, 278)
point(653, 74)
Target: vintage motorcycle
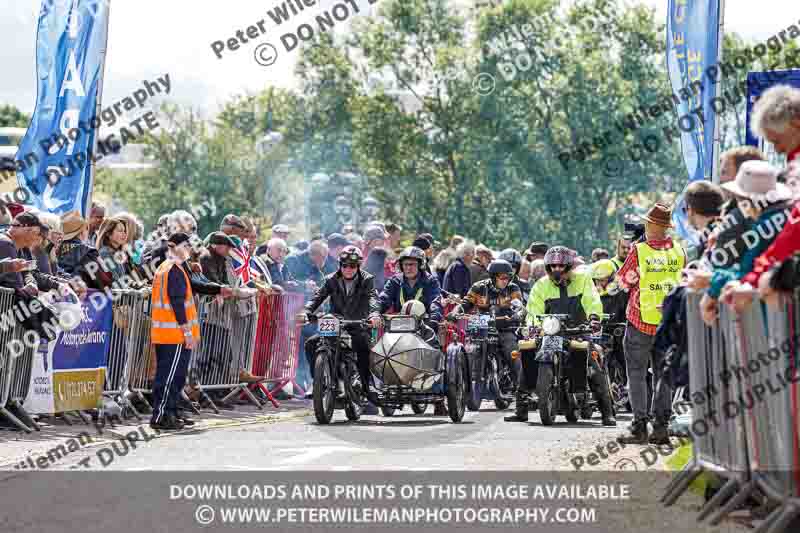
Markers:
point(410, 370)
point(491, 375)
point(337, 382)
point(611, 341)
point(561, 355)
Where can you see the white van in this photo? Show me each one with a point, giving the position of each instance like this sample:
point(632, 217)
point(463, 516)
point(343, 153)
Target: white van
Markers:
point(9, 141)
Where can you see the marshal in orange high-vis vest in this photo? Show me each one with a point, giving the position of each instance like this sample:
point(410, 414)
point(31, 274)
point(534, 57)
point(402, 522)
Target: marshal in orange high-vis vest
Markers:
point(165, 328)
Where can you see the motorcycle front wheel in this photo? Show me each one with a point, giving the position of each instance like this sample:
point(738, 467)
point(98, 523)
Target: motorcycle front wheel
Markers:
point(323, 389)
point(546, 394)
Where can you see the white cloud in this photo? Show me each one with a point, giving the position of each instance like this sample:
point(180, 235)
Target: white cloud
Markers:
point(148, 38)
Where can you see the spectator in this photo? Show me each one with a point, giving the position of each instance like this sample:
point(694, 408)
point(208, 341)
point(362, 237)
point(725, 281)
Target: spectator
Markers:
point(455, 240)
point(477, 270)
point(703, 205)
point(355, 239)
point(281, 231)
point(442, 262)
point(55, 235)
point(536, 251)
point(233, 225)
point(135, 243)
point(276, 254)
point(374, 237)
point(425, 245)
point(764, 273)
point(600, 253)
point(213, 259)
point(375, 265)
point(112, 239)
point(538, 271)
point(631, 232)
point(96, 216)
point(457, 279)
point(762, 198)
point(75, 256)
point(336, 241)
point(525, 271)
point(306, 267)
point(652, 269)
point(776, 119)
point(394, 231)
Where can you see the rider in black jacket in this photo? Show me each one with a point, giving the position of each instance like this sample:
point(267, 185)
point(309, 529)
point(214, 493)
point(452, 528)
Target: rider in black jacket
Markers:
point(352, 295)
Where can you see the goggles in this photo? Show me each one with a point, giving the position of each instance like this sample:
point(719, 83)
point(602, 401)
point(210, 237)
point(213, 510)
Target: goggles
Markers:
point(349, 265)
point(349, 258)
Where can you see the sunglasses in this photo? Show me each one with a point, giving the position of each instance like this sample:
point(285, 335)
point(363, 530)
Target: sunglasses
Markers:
point(350, 265)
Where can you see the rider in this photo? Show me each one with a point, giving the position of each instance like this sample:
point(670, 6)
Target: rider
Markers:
point(615, 304)
point(499, 292)
point(566, 291)
point(352, 296)
point(515, 258)
point(412, 284)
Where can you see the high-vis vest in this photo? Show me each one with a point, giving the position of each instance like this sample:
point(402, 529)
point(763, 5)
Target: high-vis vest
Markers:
point(165, 328)
point(417, 296)
point(659, 273)
point(617, 262)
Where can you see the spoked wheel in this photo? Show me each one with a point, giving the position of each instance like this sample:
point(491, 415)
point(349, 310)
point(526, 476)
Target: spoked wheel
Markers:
point(324, 389)
point(573, 411)
point(546, 393)
point(457, 391)
point(352, 402)
point(419, 407)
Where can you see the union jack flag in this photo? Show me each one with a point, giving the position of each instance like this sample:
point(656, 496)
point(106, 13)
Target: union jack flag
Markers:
point(241, 257)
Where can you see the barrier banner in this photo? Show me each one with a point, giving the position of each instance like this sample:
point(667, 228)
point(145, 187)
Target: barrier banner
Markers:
point(68, 373)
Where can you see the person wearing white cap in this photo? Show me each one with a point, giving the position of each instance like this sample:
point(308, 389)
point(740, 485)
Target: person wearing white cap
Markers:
point(763, 199)
point(280, 231)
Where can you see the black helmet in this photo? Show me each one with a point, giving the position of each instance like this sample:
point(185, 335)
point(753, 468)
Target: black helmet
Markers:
point(500, 266)
point(350, 255)
point(412, 252)
point(513, 257)
point(559, 255)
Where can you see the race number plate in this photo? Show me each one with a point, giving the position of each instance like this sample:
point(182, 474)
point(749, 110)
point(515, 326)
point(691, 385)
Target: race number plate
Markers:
point(551, 343)
point(328, 327)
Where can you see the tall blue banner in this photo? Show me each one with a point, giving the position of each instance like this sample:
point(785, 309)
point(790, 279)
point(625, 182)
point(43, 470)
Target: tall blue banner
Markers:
point(692, 47)
point(54, 158)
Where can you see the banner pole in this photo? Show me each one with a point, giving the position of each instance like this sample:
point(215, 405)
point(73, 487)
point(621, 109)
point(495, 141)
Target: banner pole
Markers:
point(98, 110)
point(715, 166)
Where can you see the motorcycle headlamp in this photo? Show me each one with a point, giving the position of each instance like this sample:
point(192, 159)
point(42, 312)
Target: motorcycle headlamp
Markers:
point(551, 325)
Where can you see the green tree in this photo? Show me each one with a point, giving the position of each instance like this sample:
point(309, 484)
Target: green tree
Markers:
point(12, 117)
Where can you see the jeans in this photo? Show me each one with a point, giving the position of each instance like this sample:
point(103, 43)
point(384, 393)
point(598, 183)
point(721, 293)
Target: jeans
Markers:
point(638, 353)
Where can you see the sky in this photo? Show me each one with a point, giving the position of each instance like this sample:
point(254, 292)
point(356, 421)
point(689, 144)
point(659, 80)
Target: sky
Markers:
point(151, 38)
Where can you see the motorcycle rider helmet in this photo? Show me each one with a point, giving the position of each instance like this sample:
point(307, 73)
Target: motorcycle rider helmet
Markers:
point(414, 308)
point(603, 269)
point(500, 266)
point(559, 255)
point(513, 257)
point(350, 255)
point(412, 252)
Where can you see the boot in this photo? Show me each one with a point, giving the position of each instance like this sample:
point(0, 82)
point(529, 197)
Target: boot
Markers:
point(520, 409)
point(638, 433)
point(660, 435)
point(439, 409)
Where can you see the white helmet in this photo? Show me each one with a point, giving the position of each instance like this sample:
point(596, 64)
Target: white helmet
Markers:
point(413, 307)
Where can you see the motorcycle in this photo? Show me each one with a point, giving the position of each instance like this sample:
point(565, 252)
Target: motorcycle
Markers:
point(611, 341)
point(409, 370)
point(561, 355)
point(337, 382)
point(491, 375)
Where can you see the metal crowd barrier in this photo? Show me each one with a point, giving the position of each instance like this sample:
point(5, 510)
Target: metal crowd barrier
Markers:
point(747, 429)
point(227, 338)
point(128, 361)
point(15, 368)
point(277, 343)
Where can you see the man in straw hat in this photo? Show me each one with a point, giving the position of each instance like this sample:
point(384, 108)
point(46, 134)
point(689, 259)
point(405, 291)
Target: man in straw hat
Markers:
point(76, 259)
point(651, 270)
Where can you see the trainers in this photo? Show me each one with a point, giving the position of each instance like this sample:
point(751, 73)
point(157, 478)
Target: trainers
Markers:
point(168, 423)
point(188, 422)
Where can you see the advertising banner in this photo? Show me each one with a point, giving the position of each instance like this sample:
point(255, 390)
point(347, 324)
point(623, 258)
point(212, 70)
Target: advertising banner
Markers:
point(68, 373)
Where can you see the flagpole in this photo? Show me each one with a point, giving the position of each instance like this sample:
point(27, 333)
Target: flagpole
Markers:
point(98, 109)
point(716, 167)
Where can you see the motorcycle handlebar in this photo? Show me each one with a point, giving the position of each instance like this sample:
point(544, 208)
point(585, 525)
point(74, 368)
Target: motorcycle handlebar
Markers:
point(342, 322)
